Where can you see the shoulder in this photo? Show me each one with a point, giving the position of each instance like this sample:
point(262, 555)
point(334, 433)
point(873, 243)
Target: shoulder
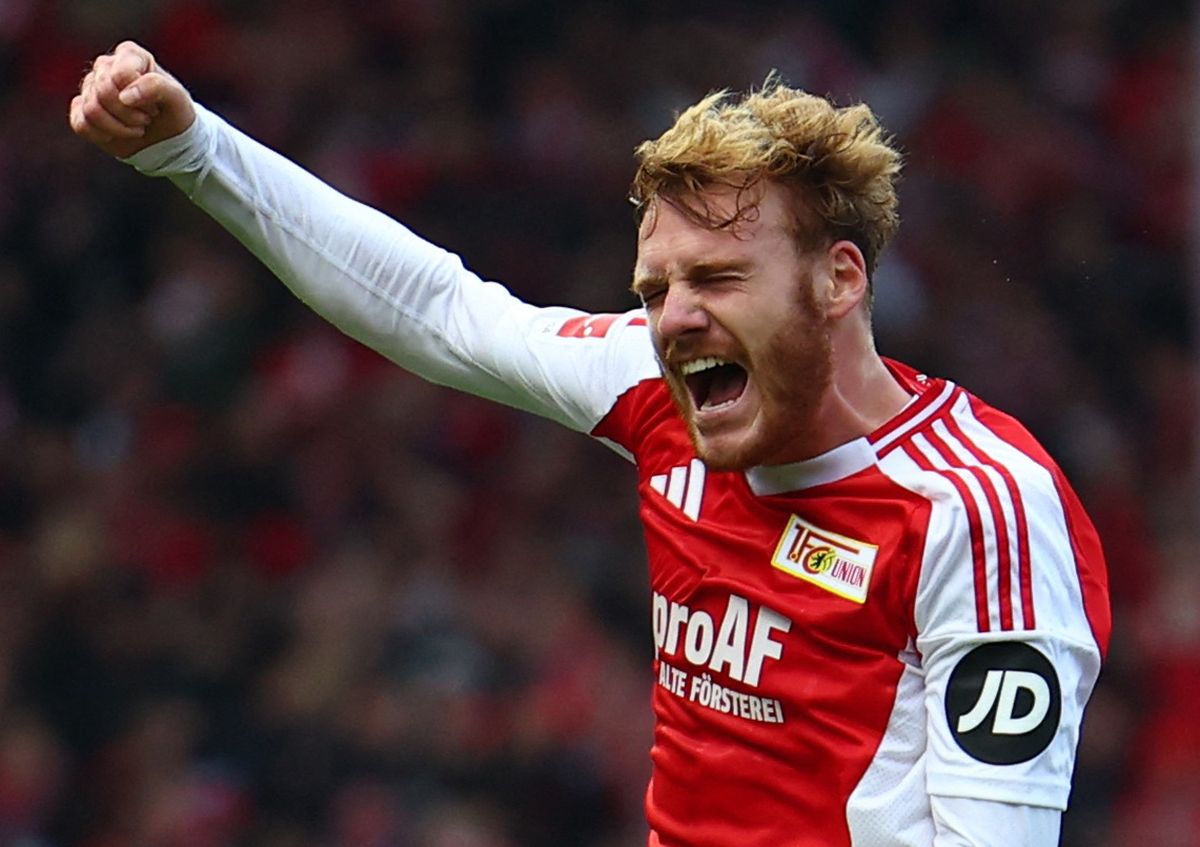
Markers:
point(1005, 526)
point(964, 454)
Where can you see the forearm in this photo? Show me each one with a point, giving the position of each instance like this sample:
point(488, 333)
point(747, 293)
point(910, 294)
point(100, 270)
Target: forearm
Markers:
point(411, 300)
point(364, 272)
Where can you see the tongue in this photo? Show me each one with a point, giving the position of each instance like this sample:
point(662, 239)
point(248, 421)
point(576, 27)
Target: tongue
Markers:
point(727, 383)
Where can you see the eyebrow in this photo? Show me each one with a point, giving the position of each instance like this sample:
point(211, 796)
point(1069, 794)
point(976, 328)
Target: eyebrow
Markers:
point(695, 270)
point(641, 283)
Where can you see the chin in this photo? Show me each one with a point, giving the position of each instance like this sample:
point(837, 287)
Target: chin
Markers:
point(774, 437)
point(726, 453)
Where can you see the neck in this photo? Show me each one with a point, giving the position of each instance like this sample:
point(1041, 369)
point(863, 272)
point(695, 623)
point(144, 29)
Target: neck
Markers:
point(862, 393)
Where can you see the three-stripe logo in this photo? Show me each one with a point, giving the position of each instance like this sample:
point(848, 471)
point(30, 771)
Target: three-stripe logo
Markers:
point(683, 486)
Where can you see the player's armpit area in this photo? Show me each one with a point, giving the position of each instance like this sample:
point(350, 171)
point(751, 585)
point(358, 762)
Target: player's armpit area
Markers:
point(970, 822)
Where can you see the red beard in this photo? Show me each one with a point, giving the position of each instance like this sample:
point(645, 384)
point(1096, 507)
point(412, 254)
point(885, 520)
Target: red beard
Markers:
point(792, 371)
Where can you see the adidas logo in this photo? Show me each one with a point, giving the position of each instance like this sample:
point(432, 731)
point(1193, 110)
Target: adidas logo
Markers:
point(683, 486)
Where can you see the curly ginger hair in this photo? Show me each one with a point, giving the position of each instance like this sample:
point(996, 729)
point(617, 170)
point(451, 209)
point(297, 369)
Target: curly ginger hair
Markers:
point(837, 163)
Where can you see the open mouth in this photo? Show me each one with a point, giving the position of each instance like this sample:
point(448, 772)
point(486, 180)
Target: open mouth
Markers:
point(714, 382)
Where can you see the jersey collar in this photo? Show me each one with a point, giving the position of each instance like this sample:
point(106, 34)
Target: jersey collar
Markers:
point(840, 462)
point(929, 396)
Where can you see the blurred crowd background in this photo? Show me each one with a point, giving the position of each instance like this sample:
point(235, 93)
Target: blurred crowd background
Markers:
point(258, 586)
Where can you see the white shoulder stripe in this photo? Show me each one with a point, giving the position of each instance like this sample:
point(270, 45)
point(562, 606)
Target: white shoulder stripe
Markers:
point(1002, 502)
point(918, 419)
point(982, 524)
point(998, 510)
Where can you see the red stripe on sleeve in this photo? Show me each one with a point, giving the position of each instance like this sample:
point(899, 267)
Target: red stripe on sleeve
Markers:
point(1024, 574)
point(1004, 560)
point(928, 395)
point(1084, 541)
point(976, 531)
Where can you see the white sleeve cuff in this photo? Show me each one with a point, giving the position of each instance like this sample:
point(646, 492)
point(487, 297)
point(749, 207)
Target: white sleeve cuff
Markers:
point(188, 152)
point(969, 822)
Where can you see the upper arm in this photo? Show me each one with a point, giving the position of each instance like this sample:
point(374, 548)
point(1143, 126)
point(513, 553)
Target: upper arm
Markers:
point(570, 365)
point(1007, 647)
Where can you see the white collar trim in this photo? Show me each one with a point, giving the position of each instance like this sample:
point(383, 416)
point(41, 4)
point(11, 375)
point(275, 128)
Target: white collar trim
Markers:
point(840, 462)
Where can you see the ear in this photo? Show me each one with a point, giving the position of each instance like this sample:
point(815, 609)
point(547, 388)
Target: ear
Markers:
point(848, 283)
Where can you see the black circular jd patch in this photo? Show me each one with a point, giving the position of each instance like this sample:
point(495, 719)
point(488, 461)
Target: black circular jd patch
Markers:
point(1003, 703)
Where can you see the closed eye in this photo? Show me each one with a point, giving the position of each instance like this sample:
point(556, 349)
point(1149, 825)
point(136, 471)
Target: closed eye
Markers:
point(649, 289)
point(722, 276)
point(651, 296)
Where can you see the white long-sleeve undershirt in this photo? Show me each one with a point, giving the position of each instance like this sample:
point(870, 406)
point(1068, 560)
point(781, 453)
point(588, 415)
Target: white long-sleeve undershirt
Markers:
point(390, 289)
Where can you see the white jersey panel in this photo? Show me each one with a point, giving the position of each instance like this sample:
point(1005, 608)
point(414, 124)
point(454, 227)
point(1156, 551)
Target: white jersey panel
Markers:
point(954, 529)
point(890, 805)
point(397, 293)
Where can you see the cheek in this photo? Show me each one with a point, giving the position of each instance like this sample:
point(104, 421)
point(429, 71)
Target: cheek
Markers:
point(656, 339)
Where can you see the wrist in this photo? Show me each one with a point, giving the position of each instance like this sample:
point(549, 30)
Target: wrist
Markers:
point(182, 153)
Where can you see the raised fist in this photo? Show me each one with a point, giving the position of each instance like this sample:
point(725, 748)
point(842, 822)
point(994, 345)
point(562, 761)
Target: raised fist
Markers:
point(127, 102)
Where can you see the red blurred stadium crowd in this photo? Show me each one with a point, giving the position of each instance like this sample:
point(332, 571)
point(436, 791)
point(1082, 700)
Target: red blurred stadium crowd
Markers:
point(262, 587)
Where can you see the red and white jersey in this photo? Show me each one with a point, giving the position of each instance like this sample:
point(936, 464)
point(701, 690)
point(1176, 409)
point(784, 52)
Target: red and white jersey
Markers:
point(919, 612)
point(915, 617)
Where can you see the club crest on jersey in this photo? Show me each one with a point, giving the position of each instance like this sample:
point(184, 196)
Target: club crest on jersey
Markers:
point(838, 564)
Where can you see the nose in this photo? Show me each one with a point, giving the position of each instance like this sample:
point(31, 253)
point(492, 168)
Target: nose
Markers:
point(680, 312)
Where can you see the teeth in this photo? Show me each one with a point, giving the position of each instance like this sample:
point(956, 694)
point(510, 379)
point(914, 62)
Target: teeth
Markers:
point(697, 365)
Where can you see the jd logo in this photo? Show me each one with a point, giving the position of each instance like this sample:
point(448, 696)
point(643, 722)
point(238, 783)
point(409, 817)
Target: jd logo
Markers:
point(1003, 703)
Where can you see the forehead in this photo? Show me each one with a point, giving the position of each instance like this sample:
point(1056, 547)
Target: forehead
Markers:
point(668, 238)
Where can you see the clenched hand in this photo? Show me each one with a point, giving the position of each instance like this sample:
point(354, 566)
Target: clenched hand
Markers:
point(127, 102)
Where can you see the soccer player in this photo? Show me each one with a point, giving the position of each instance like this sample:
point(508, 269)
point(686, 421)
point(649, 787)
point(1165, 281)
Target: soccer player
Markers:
point(878, 607)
